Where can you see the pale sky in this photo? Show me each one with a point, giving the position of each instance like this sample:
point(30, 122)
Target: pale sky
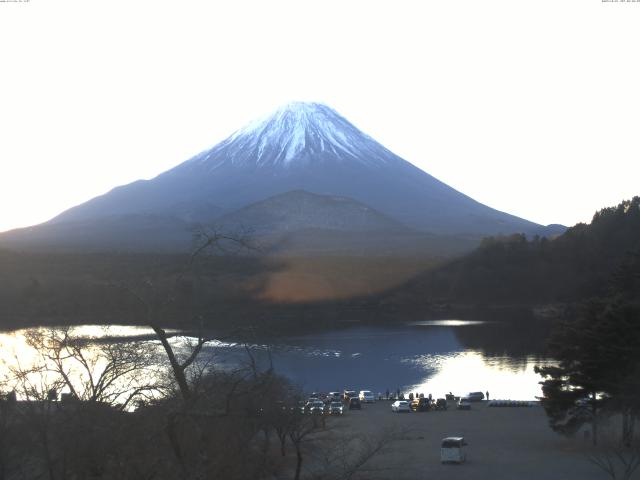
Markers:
point(529, 106)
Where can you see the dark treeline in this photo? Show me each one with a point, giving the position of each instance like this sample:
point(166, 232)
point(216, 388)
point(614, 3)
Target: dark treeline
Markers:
point(40, 288)
point(517, 270)
point(277, 293)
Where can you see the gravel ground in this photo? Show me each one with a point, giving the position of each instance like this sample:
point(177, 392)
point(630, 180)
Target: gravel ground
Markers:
point(504, 443)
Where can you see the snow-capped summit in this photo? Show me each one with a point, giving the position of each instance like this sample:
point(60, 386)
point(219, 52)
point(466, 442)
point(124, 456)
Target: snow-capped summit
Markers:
point(296, 133)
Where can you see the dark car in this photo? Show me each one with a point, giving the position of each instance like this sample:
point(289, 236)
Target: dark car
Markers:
point(420, 404)
point(441, 404)
point(354, 404)
point(349, 394)
point(475, 396)
point(333, 397)
point(336, 408)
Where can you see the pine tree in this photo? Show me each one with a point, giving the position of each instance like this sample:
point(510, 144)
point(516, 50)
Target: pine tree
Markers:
point(598, 369)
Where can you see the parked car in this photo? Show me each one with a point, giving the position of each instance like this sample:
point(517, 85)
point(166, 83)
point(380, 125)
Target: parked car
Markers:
point(334, 396)
point(314, 407)
point(452, 450)
point(420, 404)
point(441, 404)
point(349, 394)
point(475, 396)
point(464, 404)
point(400, 406)
point(336, 408)
point(582, 402)
point(354, 404)
point(366, 396)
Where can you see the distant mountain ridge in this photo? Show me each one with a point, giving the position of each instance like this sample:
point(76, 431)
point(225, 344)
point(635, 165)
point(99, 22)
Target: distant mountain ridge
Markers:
point(300, 147)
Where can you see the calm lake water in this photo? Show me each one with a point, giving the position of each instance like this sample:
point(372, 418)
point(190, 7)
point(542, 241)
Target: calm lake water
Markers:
point(430, 357)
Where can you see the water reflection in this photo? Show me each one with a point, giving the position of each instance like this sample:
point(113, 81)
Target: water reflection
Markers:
point(502, 377)
point(427, 357)
point(430, 357)
point(14, 348)
point(446, 323)
point(47, 363)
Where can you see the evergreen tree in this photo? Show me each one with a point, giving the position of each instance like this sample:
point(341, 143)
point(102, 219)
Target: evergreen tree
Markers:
point(573, 391)
point(599, 361)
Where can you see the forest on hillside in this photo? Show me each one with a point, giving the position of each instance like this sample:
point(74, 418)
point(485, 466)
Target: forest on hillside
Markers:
point(516, 270)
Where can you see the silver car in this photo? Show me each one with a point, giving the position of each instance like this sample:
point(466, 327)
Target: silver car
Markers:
point(400, 406)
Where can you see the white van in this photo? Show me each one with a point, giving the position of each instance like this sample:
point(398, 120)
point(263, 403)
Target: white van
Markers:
point(452, 450)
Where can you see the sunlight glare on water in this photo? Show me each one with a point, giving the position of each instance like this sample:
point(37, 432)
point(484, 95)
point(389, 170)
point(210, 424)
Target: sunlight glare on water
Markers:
point(15, 350)
point(24, 369)
point(445, 323)
point(464, 372)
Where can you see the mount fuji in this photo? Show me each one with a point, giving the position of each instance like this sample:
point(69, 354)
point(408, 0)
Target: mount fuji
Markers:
point(304, 148)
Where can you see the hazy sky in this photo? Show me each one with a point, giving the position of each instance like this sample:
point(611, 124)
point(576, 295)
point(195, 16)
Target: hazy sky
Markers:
point(529, 106)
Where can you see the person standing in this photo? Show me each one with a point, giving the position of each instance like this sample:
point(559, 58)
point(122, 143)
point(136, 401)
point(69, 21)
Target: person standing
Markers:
point(487, 395)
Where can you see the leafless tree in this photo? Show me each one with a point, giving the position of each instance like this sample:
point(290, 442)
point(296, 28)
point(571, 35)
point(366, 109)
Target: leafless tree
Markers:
point(616, 457)
point(77, 435)
point(618, 461)
point(35, 415)
point(115, 373)
point(344, 456)
point(300, 429)
point(154, 301)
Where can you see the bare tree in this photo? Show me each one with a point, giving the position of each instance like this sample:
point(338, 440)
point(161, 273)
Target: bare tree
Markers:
point(617, 460)
point(616, 456)
point(300, 429)
point(36, 415)
point(343, 456)
point(154, 301)
point(115, 373)
point(102, 379)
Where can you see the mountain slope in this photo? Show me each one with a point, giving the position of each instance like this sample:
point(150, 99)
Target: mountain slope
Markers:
point(299, 210)
point(123, 233)
point(310, 147)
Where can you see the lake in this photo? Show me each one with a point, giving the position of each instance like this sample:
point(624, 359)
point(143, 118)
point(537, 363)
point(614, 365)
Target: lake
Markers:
point(434, 357)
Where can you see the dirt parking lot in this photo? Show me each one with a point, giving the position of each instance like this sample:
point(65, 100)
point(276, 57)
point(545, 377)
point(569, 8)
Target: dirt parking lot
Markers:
point(504, 443)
